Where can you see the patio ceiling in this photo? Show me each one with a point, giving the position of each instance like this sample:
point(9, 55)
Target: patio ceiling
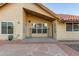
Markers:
point(39, 15)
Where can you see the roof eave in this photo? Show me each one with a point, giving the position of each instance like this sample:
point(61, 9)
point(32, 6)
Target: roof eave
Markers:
point(48, 10)
point(39, 15)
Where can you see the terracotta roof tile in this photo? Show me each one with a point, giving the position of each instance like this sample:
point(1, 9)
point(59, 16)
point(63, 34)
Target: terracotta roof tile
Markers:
point(66, 17)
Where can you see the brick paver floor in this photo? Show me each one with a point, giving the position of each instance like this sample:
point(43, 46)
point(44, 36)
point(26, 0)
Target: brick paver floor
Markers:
point(36, 48)
point(70, 47)
point(31, 50)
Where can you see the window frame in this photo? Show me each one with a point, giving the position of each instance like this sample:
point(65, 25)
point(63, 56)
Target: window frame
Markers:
point(7, 28)
point(38, 28)
point(42, 28)
point(12, 27)
point(72, 27)
point(2, 29)
point(34, 28)
point(67, 27)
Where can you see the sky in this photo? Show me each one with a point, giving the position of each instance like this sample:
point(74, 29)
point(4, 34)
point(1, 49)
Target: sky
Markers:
point(64, 8)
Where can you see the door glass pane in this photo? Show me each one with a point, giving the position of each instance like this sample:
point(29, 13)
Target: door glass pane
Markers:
point(45, 26)
point(76, 27)
point(33, 30)
point(10, 28)
point(39, 30)
point(44, 30)
point(4, 28)
point(34, 26)
point(39, 26)
point(68, 26)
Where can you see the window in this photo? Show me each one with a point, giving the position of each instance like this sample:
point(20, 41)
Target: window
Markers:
point(45, 28)
point(7, 28)
point(10, 28)
point(4, 28)
point(39, 28)
point(45, 25)
point(76, 27)
point(68, 26)
point(34, 28)
point(34, 25)
point(72, 26)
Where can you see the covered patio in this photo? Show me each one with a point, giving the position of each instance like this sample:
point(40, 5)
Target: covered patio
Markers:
point(32, 19)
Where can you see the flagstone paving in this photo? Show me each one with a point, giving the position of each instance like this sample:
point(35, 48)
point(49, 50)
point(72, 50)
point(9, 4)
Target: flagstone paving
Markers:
point(31, 50)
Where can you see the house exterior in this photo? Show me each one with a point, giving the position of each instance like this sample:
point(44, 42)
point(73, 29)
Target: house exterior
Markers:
point(68, 27)
point(27, 20)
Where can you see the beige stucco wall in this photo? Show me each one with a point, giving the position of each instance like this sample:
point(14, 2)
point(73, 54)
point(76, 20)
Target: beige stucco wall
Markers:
point(12, 13)
point(34, 19)
point(15, 13)
point(62, 34)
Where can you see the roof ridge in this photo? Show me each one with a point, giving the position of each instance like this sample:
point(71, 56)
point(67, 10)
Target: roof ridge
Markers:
point(68, 14)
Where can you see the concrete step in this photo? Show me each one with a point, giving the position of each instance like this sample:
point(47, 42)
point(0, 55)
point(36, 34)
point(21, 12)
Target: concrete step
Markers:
point(40, 40)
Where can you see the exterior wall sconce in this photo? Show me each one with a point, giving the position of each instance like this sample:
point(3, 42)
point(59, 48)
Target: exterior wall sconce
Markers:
point(29, 21)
